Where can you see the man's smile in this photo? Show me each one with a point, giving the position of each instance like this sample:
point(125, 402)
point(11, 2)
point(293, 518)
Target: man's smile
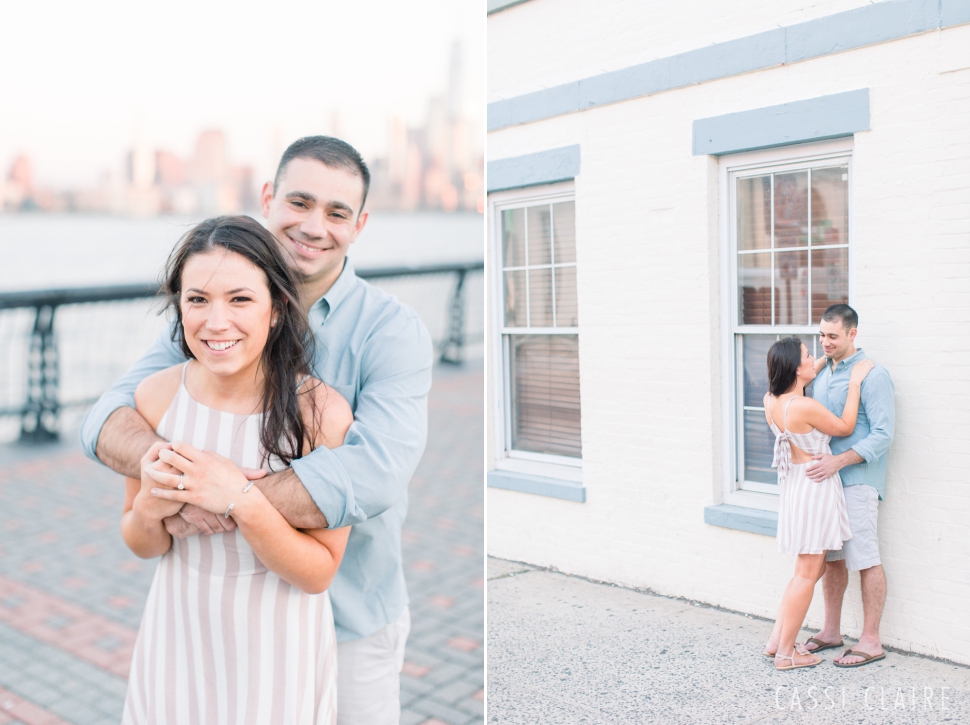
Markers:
point(306, 248)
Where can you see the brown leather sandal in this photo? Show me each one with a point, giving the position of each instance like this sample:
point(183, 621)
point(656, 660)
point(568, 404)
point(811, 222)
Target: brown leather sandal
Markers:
point(820, 645)
point(869, 659)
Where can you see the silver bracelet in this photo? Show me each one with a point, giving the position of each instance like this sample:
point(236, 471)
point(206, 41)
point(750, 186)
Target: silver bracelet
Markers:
point(229, 510)
point(249, 485)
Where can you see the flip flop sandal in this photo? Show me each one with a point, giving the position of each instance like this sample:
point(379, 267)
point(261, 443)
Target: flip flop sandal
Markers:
point(793, 666)
point(869, 659)
point(821, 646)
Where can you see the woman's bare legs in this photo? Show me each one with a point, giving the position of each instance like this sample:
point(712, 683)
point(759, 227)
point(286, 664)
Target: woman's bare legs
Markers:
point(772, 645)
point(794, 605)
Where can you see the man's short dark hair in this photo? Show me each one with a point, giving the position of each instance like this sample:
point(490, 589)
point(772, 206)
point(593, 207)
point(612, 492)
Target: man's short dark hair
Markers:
point(848, 316)
point(330, 152)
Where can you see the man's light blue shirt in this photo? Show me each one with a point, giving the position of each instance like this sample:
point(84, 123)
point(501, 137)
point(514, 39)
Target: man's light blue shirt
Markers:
point(874, 427)
point(377, 353)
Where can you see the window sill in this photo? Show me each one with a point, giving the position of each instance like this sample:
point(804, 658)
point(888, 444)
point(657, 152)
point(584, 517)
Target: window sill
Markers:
point(538, 485)
point(742, 518)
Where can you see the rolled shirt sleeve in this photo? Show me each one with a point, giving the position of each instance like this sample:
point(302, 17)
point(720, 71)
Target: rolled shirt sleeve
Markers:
point(369, 473)
point(878, 401)
point(163, 353)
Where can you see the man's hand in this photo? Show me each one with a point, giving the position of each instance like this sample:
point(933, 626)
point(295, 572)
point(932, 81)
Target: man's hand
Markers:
point(193, 520)
point(201, 521)
point(179, 527)
point(827, 465)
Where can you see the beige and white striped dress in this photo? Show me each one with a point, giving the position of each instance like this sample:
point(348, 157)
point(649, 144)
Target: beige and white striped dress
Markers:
point(223, 639)
point(812, 517)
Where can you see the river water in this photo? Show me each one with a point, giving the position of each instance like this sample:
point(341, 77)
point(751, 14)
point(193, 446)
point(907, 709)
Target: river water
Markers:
point(98, 342)
point(39, 251)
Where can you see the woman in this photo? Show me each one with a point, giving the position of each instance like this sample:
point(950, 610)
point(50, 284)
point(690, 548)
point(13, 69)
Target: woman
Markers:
point(811, 517)
point(238, 626)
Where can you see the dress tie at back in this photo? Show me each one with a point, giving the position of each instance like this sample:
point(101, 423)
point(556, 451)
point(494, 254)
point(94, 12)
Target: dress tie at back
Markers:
point(782, 459)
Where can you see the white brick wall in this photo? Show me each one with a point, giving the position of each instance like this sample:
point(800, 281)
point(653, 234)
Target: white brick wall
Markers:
point(648, 282)
point(543, 43)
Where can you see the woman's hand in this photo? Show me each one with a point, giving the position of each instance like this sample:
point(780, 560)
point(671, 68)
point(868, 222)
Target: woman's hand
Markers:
point(860, 370)
point(210, 481)
point(148, 506)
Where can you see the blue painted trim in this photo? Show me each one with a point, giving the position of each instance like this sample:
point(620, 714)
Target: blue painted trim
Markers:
point(876, 23)
point(539, 485)
point(813, 119)
point(954, 12)
point(544, 167)
point(755, 521)
point(495, 6)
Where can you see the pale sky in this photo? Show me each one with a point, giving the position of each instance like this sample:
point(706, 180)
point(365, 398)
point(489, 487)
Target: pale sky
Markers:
point(79, 80)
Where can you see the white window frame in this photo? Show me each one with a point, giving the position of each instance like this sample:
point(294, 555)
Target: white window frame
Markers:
point(777, 160)
point(506, 459)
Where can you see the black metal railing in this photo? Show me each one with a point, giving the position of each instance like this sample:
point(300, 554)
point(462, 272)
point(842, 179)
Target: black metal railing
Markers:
point(41, 408)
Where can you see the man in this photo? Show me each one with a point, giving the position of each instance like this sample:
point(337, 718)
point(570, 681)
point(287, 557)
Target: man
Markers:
point(377, 354)
point(860, 460)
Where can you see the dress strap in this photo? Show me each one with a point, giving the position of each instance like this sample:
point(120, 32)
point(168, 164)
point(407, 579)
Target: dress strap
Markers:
point(768, 411)
point(184, 368)
point(786, 410)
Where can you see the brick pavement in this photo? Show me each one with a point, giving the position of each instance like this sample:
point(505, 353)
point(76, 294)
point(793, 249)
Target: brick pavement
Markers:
point(71, 594)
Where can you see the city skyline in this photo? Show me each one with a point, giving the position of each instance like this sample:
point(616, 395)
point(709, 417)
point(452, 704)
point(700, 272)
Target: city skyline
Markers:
point(437, 164)
point(94, 80)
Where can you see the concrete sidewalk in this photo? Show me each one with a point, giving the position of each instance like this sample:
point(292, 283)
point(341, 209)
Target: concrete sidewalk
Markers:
point(566, 650)
point(72, 594)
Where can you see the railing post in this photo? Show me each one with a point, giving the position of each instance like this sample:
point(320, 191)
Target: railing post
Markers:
point(39, 421)
point(452, 349)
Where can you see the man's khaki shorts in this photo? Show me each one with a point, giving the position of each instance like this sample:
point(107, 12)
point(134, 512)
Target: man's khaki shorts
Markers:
point(369, 676)
point(862, 550)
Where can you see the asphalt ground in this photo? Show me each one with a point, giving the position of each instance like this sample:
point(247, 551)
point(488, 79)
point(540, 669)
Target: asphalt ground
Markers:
point(564, 650)
point(72, 594)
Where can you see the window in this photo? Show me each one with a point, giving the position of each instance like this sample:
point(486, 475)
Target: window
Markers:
point(789, 231)
point(539, 329)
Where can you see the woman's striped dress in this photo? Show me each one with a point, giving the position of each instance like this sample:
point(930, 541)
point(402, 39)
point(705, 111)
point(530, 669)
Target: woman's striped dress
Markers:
point(223, 639)
point(811, 514)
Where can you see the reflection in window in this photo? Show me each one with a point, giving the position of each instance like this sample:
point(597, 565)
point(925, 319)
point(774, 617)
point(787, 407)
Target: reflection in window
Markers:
point(792, 263)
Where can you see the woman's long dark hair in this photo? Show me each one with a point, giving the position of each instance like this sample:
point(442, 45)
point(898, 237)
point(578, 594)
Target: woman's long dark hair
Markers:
point(288, 355)
point(784, 357)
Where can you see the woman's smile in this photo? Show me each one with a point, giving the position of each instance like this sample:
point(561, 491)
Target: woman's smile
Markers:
point(220, 345)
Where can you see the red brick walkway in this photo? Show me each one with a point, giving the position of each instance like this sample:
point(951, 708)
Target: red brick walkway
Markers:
point(71, 594)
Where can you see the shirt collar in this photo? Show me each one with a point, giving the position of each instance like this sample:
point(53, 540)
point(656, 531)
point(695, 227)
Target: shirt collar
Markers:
point(337, 292)
point(852, 359)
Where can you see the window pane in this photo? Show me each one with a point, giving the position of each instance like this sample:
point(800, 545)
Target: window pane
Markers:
point(754, 213)
point(791, 210)
point(830, 206)
point(566, 309)
point(754, 288)
point(758, 441)
point(540, 235)
point(540, 298)
point(830, 279)
point(545, 394)
point(564, 228)
point(791, 288)
point(513, 237)
point(754, 359)
point(515, 309)
point(754, 362)
point(759, 447)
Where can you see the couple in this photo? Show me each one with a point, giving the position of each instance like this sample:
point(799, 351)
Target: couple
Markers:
point(281, 419)
point(828, 503)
